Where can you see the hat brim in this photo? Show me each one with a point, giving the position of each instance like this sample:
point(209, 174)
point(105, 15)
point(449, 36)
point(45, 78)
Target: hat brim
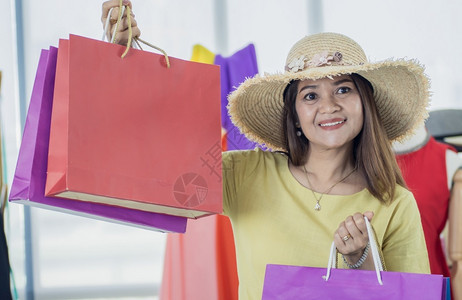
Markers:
point(401, 93)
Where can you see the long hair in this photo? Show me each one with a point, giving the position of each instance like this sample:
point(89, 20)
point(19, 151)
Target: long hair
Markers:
point(372, 152)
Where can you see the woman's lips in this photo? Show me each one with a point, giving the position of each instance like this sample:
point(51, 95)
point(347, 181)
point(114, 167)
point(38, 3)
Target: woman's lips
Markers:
point(332, 123)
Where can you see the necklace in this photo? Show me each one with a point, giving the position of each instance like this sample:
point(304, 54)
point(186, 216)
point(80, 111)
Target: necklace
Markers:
point(318, 206)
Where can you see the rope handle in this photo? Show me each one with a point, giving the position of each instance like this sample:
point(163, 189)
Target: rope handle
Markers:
point(374, 250)
point(136, 39)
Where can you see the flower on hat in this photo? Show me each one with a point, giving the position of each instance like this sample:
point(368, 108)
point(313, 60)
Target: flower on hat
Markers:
point(297, 64)
point(324, 59)
point(318, 60)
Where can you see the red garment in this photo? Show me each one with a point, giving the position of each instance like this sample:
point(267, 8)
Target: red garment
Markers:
point(201, 264)
point(425, 174)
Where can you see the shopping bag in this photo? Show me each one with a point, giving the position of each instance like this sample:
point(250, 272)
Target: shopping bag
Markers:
point(295, 282)
point(446, 289)
point(298, 282)
point(28, 185)
point(134, 132)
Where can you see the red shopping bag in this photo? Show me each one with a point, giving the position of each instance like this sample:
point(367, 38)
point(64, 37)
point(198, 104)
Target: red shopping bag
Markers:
point(134, 133)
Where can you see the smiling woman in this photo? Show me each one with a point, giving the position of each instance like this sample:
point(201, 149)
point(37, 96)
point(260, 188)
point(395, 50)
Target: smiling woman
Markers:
point(332, 114)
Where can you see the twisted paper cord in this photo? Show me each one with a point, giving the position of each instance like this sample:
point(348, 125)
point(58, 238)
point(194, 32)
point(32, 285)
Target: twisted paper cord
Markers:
point(130, 34)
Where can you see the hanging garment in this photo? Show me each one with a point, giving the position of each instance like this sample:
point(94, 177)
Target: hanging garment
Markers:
point(234, 70)
point(425, 173)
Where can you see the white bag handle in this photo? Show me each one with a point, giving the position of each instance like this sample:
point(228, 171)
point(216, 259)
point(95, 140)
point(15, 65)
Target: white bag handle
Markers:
point(375, 254)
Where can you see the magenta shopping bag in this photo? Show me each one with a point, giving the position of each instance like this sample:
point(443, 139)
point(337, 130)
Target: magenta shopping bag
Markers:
point(296, 282)
point(30, 176)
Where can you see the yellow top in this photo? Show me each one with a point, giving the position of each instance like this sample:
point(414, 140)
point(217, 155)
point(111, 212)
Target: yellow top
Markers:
point(274, 220)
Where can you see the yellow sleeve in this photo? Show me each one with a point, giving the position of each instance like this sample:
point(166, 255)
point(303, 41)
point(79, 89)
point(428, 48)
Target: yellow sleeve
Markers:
point(404, 248)
point(229, 184)
point(237, 166)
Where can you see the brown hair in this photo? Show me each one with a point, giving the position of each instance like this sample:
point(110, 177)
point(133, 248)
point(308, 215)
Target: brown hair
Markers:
point(372, 150)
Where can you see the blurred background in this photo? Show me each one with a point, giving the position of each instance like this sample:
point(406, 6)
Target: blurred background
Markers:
point(59, 256)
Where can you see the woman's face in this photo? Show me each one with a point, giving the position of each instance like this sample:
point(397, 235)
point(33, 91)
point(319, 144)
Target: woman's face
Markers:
point(329, 111)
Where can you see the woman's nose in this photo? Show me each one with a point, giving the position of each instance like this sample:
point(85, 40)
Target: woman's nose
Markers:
point(329, 105)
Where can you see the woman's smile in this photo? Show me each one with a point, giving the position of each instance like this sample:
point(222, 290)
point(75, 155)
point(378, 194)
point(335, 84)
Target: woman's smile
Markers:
point(332, 123)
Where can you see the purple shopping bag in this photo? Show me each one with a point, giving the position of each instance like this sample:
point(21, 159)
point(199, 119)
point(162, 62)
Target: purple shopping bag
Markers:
point(296, 282)
point(30, 176)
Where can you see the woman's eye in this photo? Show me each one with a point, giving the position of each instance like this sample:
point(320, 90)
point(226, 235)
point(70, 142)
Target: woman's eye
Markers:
point(310, 96)
point(344, 90)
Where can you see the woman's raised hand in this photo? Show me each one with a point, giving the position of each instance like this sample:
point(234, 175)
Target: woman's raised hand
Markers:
point(122, 31)
point(351, 237)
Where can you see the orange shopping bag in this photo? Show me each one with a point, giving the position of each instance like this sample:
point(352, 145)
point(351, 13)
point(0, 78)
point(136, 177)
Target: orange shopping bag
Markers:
point(135, 133)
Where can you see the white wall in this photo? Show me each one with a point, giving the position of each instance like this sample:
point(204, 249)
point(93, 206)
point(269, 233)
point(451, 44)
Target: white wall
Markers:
point(426, 30)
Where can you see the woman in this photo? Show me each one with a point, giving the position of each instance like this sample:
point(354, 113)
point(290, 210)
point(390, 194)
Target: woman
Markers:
point(329, 120)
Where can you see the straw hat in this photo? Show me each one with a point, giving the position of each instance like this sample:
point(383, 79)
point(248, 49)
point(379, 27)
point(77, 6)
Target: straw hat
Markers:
point(401, 89)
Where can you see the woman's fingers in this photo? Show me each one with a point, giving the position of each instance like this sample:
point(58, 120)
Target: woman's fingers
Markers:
point(338, 241)
point(106, 7)
point(351, 235)
point(351, 228)
point(114, 16)
point(124, 24)
point(356, 225)
point(369, 215)
point(122, 34)
point(342, 232)
point(121, 37)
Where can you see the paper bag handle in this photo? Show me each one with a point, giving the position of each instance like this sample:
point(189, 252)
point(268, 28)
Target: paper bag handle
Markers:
point(136, 39)
point(374, 250)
